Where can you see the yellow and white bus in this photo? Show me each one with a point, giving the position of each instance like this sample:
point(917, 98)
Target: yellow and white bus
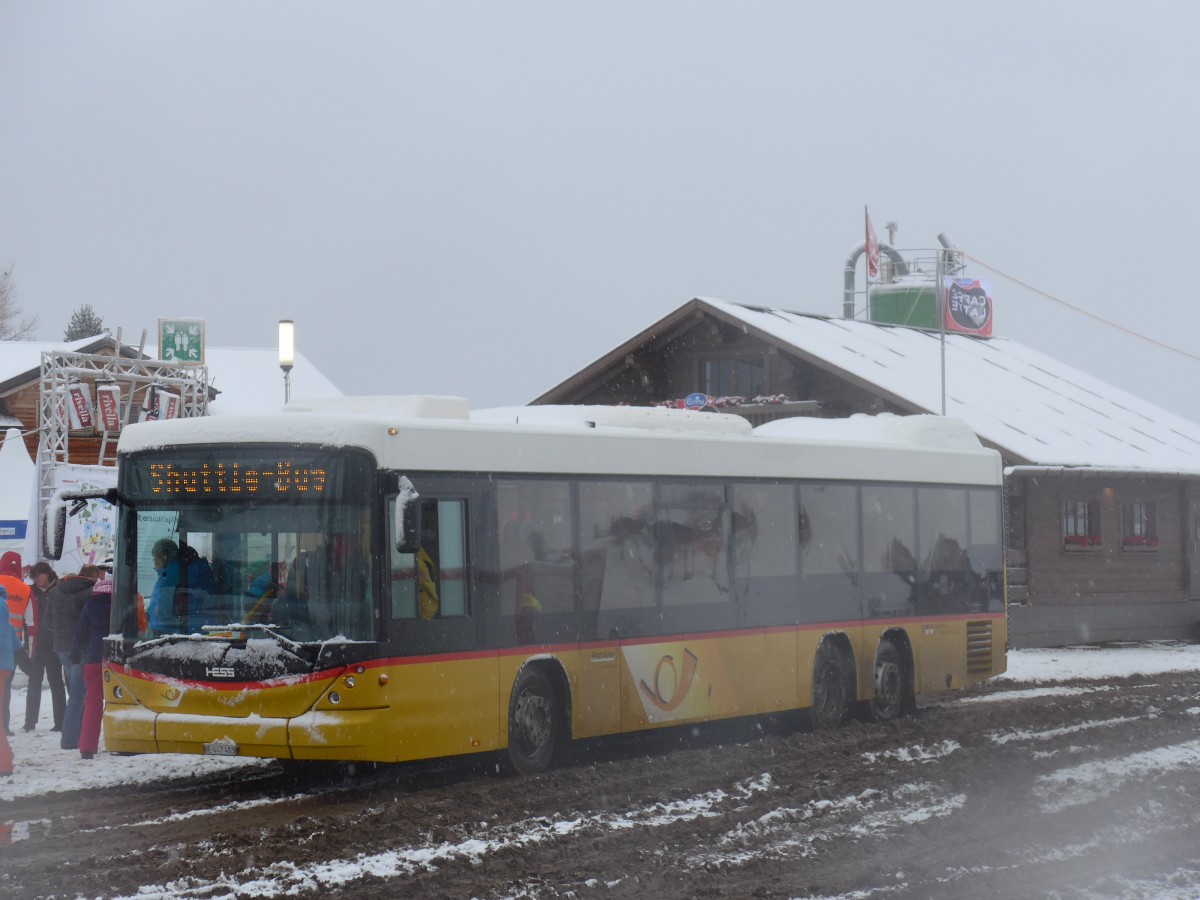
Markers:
point(397, 579)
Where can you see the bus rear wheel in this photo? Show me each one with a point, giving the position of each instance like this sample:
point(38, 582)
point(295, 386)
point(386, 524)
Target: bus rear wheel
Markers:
point(893, 685)
point(534, 722)
point(831, 688)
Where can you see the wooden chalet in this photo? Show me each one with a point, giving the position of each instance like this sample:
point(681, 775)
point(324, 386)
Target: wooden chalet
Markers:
point(20, 389)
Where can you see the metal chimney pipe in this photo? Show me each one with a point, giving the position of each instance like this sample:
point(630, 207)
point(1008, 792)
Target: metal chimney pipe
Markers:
point(852, 264)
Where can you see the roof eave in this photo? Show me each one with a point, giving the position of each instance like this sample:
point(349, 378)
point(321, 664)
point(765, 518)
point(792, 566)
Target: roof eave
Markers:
point(23, 379)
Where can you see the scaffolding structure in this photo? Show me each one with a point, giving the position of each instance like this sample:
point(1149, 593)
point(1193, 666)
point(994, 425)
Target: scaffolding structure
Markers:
point(135, 376)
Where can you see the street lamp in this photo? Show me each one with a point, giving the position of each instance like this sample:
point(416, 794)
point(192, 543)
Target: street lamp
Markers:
point(287, 355)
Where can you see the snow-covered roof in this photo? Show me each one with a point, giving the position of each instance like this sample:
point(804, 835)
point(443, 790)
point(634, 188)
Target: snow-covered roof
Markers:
point(24, 358)
point(249, 379)
point(1032, 406)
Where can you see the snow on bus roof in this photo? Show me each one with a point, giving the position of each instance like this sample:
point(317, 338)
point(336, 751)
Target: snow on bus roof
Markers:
point(326, 422)
point(653, 418)
point(427, 434)
point(403, 406)
point(349, 421)
point(884, 428)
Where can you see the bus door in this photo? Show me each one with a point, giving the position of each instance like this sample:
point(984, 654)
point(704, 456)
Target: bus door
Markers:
point(618, 598)
point(767, 531)
point(544, 585)
point(832, 577)
point(443, 690)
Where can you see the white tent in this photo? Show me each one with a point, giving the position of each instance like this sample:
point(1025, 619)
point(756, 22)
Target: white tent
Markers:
point(17, 474)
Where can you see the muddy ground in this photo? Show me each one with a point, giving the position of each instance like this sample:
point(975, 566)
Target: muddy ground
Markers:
point(1001, 792)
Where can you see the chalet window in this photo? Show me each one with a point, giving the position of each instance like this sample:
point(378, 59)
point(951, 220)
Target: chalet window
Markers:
point(1139, 528)
point(1080, 524)
point(734, 377)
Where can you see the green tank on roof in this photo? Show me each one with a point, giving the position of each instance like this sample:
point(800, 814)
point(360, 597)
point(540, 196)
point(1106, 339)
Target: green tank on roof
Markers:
point(908, 300)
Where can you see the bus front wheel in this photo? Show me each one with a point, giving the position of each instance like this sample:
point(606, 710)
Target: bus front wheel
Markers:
point(534, 722)
point(831, 688)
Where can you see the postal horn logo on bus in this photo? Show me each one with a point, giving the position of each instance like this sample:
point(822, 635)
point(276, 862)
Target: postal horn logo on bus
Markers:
point(665, 675)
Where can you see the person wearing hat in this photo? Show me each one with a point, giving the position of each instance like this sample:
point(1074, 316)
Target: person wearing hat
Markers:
point(42, 658)
point(20, 617)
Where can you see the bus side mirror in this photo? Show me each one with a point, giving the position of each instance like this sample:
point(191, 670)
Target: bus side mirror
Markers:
point(62, 505)
point(406, 516)
point(54, 527)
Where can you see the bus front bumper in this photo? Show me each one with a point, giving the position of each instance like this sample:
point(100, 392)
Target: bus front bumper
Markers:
point(315, 735)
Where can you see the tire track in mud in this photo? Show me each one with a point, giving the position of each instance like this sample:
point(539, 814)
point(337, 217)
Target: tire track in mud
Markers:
point(951, 802)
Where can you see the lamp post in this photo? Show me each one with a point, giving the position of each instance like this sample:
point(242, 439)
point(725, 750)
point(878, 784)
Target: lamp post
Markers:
point(287, 355)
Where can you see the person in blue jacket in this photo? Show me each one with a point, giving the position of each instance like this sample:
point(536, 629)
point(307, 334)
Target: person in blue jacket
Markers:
point(173, 608)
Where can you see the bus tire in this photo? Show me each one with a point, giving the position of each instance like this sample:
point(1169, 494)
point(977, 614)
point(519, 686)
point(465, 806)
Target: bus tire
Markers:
point(534, 722)
point(831, 688)
point(893, 690)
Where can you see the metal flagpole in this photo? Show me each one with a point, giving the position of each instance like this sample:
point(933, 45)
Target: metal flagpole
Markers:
point(870, 241)
point(940, 294)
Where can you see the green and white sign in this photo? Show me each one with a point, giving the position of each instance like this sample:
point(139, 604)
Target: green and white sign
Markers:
point(181, 341)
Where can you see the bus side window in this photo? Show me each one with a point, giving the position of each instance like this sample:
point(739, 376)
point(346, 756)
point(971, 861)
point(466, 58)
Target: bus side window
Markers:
point(431, 583)
point(402, 580)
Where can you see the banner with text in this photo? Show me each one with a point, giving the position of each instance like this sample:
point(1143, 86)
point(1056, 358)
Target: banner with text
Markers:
point(108, 401)
point(79, 406)
point(968, 305)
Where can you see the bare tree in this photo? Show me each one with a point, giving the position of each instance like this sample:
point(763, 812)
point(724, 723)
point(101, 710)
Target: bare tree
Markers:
point(14, 325)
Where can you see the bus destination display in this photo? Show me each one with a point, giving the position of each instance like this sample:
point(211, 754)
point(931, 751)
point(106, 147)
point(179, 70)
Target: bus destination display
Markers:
point(279, 478)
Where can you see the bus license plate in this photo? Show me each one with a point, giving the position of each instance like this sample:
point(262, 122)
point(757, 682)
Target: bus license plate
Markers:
point(221, 748)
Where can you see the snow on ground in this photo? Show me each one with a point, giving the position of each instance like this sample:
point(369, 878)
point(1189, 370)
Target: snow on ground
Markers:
point(1100, 662)
point(43, 768)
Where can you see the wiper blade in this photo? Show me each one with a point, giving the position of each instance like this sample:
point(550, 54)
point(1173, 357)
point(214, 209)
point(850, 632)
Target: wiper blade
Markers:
point(271, 631)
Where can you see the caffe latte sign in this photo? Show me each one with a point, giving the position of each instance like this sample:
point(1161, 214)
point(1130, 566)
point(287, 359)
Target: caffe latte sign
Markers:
point(968, 306)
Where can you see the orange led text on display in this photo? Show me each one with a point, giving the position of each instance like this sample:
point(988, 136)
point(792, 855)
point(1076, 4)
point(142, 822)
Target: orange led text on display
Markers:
point(235, 478)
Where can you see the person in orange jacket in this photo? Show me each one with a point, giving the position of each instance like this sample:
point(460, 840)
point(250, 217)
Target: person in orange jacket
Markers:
point(8, 645)
point(20, 617)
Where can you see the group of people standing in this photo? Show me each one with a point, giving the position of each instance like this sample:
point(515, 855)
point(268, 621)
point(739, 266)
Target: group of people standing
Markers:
point(55, 631)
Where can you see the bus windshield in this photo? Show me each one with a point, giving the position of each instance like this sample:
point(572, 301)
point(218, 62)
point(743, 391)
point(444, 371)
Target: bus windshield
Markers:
point(217, 537)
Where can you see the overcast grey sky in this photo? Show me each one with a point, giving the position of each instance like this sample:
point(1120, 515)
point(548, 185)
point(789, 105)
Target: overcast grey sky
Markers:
point(481, 198)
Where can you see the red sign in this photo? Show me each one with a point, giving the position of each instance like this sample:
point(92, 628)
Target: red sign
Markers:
point(968, 306)
point(168, 405)
point(79, 397)
point(108, 399)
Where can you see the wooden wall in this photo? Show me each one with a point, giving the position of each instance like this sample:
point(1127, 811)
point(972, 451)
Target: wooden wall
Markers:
point(1108, 573)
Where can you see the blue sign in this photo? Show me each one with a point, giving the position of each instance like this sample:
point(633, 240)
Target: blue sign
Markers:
point(697, 401)
point(12, 530)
